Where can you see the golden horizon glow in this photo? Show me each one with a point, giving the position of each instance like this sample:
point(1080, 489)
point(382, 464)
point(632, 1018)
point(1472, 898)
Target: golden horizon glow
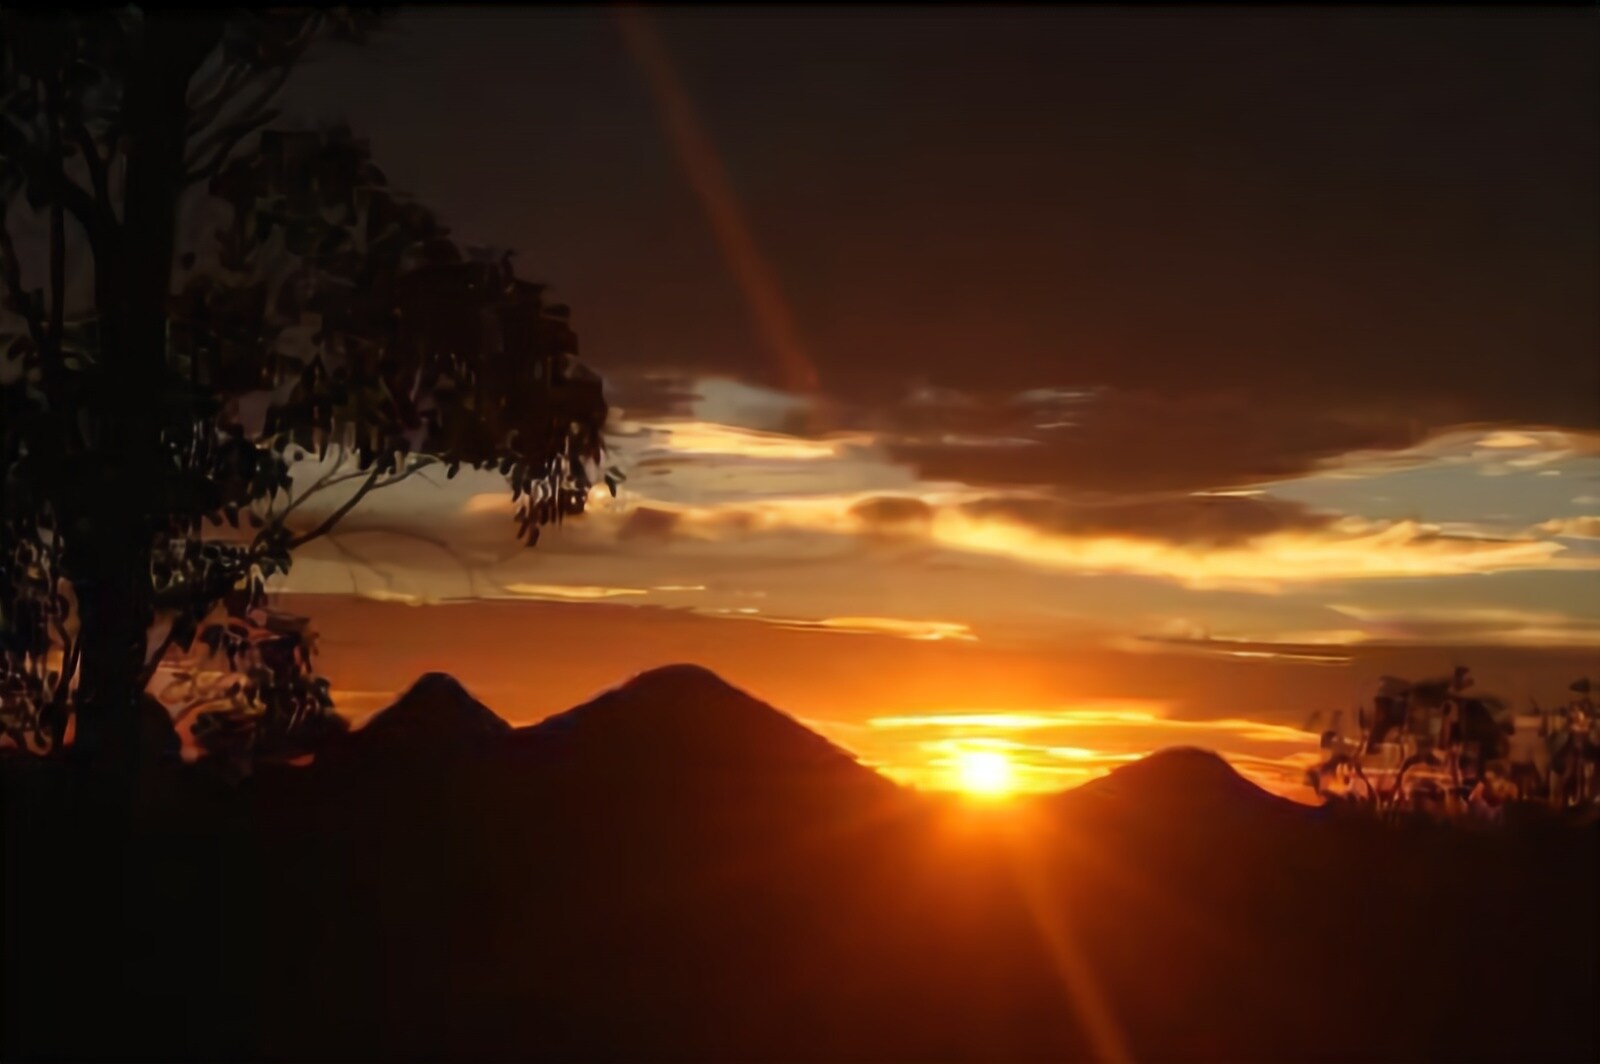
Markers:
point(1048, 749)
point(1005, 754)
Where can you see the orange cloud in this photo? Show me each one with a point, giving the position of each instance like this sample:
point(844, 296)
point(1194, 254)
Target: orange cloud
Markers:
point(707, 439)
point(1343, 549)
point(1351, 549)
point(572, 593)
point(1573, 527)
point(1499, 626)
point(922, 630)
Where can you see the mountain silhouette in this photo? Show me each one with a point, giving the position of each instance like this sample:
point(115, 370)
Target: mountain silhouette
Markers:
point(435, 720)
point(677, 870)
point(1180, 805)
point(435, 710)
point(680, 853)
point(1176, 779)
point(685, 721)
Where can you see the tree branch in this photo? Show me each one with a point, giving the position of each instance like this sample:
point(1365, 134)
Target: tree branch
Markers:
point(334, 541)
point(77, 201)
point(182, 713)
point(25, 152)
point(98, 167)
point(471, 569)
point(69, 665)
point(327, 480)
point(206, 112)
point(373, 483)
point(253, 115)
point(228, 138)
point(17, 297)
point(234, 76)
point(58, 228)
point(338, 515)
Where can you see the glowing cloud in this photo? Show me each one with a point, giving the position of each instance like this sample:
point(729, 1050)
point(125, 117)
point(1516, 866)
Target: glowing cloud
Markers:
point(1573, 527)
point(925, 631)
point(708, 439)
point(571, 593)
point(1348, 549)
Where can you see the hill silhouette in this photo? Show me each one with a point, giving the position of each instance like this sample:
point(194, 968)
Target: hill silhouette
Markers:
point(686, 723)
point(1176, 783)
point(436, 717)
point(1175, 773)
point(677, 870)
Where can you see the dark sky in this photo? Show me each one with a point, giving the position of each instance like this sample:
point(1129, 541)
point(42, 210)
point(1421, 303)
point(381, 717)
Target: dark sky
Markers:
point(1331, 207)
point(1107, 308)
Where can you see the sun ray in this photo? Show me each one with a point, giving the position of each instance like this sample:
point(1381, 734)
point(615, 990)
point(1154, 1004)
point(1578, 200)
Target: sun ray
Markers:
point(703, 168)
point(1107, 1042)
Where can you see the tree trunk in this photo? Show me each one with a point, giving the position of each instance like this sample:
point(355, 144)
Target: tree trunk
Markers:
point(133, 285)
point(110, 542)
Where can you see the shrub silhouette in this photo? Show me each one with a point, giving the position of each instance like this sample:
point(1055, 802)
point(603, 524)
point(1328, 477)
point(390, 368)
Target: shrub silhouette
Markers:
point(1433, 745)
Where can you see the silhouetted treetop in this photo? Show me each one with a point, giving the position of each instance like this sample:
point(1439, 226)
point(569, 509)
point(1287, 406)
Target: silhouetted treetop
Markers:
point(270, 334)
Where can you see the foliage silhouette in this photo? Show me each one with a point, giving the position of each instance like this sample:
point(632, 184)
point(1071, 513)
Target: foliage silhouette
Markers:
point(1433, 745)
point(262, 304)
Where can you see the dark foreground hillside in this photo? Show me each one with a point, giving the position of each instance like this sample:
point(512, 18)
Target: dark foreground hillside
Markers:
point(676, 871)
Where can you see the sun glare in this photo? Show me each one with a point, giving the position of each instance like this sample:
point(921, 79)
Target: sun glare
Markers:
point(986, 774)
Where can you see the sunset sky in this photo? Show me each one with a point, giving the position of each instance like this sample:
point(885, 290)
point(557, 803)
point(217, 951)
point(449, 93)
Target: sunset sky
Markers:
point(1070, 384)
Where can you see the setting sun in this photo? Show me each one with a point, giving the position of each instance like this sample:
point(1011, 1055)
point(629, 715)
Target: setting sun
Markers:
point(986, 774)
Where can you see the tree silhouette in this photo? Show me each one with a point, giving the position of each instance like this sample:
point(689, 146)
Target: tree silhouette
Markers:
point(259, 303)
